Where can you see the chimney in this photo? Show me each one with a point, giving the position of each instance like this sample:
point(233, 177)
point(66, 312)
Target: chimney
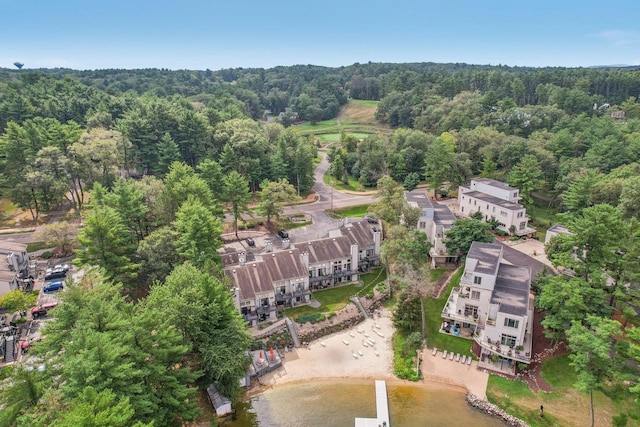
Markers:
point(268, 245)
point(355, 258)
point(242, 257)
point(285, 243)
point(305, 259)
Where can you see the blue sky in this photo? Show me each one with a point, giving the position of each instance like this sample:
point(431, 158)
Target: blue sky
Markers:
point(196, 34)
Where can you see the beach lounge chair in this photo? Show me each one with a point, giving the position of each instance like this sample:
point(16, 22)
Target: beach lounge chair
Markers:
point(457, 357)
point(435, 350)
point(464, 359)
point(345, 342)
point(469, 361)
point(351, 335)
point(444, 355)
point(360, 353)
point(451, 356)
point(355, 356)
point(376, 352)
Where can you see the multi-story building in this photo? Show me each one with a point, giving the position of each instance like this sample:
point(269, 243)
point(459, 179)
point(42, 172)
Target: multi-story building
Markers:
point(435, 220)
point(496, 201)
point(493, 305)
point(263, 283)
point(261, 286)
point(14, 268)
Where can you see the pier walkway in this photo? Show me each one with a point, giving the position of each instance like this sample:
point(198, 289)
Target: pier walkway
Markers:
point(382, 408)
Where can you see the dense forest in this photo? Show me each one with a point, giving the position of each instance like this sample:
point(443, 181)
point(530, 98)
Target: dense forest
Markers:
point(164, 153)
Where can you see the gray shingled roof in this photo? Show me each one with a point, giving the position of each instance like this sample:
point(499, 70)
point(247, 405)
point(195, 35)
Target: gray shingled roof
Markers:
point(250, 279)
point(287, 264)
point(512, 289)
point(326, 249)
point(360, 233)
point(443, 217)
point(488, 256)
point(419, 197)
point(512, 206)
point(494, 183)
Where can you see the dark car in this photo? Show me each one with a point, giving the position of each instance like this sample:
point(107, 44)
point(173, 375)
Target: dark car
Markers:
point(250, 241)
point(53, 286)
point(55, 273)
point(371, 219)
point(284, 234)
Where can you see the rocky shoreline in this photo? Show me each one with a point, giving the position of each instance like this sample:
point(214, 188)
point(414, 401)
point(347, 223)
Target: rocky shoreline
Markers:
point(491, 409)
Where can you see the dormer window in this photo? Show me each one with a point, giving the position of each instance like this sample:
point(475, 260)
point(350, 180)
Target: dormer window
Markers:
point(477, 280)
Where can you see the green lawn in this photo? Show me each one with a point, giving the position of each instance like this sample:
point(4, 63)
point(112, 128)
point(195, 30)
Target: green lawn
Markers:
point(433, 309)
point(36, 246)
point(353, 211)
point(437, 273)
point(564, 405)
point(334, 299)
point(353, 185)
point(542, 216)
point(335, 137)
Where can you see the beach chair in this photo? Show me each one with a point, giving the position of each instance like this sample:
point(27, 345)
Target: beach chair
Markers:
point(451, 356)
point(457, 357)
point(464, 359)
point(435, 350)
point(469, 361)
point(444, 355)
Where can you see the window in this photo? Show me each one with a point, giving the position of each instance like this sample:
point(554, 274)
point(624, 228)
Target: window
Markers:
point(462, 209)
point(477, 280)
point(515, 194)
point(493, 209)
point(520, 214)
point(503, 213)
point(470, 310)
point(487, 206)
point(474, 202)
point(422, 224)
point(523, 225)
point(511, 323)
point(475, 295)
point(508, 340)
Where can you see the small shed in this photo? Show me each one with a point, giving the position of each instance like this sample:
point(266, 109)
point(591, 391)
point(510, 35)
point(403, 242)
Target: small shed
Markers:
point(221, 403)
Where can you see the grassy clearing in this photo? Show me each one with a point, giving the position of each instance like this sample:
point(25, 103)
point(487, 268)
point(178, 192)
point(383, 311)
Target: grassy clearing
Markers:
point(433, 308)
point(359, 112)
point(335, 137)
point(334, 299)
point(358, 211)
point(564, 406)
point(542, 215)
point(436, 273)
point(36, 246)
point(353, 185)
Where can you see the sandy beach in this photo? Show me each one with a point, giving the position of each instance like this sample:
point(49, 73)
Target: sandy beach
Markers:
point(365, 351)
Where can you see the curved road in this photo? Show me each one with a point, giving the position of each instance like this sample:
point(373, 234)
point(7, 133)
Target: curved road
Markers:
point(328, 198)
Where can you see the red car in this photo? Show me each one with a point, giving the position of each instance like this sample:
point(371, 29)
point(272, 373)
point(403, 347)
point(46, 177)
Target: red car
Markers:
point(42, 310)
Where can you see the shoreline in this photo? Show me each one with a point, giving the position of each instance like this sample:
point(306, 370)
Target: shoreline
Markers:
point(343, 356)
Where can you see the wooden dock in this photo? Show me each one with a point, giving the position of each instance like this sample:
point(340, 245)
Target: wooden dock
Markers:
point(382, 409)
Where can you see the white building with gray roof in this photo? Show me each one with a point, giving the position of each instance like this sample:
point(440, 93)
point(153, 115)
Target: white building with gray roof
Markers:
point(496, 201)
point(493, 305)
point(435, 220)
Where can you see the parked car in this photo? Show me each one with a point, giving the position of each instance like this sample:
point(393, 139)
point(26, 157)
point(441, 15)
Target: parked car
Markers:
point(53, 286)
point(250, 241)
point(43, 309)
point(283, 234)
point(371, 219)
point(55, 273)
point(64, 267)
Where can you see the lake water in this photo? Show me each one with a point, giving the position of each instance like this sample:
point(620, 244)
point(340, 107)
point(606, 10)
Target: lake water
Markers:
point(331, 403)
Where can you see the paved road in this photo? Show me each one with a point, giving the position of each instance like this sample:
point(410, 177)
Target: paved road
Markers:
point(328, 198)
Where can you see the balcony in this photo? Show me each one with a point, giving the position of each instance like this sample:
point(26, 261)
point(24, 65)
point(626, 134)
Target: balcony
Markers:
point(505, 351)
point(265, 309)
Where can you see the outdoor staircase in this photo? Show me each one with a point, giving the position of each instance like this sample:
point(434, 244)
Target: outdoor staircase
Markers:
point(356, 301)
point(293, 332)
point(9, 349)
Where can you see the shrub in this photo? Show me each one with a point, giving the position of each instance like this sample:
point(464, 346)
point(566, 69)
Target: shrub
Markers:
point(47, 254)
